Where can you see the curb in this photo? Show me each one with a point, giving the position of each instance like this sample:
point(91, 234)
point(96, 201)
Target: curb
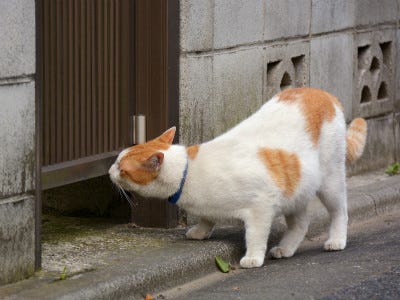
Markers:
point(369, 195)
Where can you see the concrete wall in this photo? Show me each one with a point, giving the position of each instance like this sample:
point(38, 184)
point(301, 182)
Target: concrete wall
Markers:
point(17, 136)
point(236, 54)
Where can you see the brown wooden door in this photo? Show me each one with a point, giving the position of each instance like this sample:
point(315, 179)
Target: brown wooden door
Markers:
point(85, 87)
point(99, 63)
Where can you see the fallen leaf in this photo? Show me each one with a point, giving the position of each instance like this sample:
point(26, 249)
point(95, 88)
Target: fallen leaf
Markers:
point(222, 265)
point(63, 275)
point(149, 297)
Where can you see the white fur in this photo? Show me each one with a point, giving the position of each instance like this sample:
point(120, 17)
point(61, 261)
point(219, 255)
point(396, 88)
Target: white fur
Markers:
point(227, 179)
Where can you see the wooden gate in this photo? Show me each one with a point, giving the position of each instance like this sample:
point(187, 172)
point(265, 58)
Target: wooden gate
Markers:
point(86, 101)
point(99, 63)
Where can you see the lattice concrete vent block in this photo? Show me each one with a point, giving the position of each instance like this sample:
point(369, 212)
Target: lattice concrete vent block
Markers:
point(374, 73)
point(286, 66)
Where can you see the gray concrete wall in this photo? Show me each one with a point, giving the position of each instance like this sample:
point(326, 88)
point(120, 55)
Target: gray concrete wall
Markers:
point(236, 54)
point(17, 136)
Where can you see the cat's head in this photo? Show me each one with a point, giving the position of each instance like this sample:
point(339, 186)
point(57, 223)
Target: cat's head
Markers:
point(137, 168)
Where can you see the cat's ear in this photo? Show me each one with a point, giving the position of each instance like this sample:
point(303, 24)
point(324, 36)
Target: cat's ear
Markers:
point(154, 162)
point(168, 136)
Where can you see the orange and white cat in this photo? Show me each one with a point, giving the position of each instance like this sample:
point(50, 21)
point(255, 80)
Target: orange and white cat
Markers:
point(293, 148)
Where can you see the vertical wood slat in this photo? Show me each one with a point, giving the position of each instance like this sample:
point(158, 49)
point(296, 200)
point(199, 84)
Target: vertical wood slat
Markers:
point(105, 73)
point(85, 86)
point(100, 74)
point(116, 78)
point(46, 78)
point(65, 57)
point(82, 79)
point(94, 72)
point(52, 118)
point(76, 65)
point(89, 107)
point(111, 101)
point(70, 81)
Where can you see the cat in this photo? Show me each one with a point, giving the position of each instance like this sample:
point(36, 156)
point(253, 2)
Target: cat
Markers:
point(274, 162)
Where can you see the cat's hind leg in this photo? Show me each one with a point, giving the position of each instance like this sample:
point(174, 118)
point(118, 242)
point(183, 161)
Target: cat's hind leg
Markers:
point(297, 225)
point(200, 231)
point(333, 195)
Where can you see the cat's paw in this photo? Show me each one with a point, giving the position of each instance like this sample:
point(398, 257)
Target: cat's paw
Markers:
point(251, 262)
point(335, 245)
point(197, 233)
point(279, 252)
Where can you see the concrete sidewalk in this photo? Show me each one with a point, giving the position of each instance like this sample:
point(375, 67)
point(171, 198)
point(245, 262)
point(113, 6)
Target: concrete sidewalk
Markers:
point(120, 262)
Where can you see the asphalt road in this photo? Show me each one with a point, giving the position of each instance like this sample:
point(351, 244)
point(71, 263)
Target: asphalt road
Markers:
point(369, 268)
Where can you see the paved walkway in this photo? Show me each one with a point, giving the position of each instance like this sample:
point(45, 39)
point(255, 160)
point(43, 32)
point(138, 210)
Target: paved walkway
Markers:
point(369, 268)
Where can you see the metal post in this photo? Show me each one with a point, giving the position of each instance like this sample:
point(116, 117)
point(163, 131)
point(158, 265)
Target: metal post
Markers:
point(139, 129)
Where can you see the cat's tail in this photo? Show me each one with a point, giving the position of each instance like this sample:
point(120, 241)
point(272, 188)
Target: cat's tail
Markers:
point(355, 139)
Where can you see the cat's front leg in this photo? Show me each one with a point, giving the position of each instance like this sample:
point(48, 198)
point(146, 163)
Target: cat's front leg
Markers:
point(200, 231)
point(258, 226)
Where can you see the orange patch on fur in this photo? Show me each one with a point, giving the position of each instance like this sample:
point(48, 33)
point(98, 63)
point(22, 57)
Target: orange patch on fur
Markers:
point(132, 164)
point(284, 168)
point(192, 151)
point(317, 105)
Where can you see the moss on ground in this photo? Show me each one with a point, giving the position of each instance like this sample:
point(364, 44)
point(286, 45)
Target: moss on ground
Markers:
point(61, 228)
point(83, 244)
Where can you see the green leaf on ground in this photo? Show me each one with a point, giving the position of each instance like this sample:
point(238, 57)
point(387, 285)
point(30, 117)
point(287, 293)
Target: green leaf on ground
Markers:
point(224, 266)
point(63, 275)
point(393, 169)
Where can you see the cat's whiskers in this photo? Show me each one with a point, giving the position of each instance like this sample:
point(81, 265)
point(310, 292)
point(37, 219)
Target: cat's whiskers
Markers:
point(126, 196)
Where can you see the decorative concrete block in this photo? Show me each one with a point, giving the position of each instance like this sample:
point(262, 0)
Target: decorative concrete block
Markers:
point(331, 15)
point(197, 25)
point(380, 146)
point(197, 105)
point(331, 67)
point(371, 12)
point(374, 73)
point(238, 22)
point(17, 133)
point(17, 240)
point(237, 87)
point(397, 136)
point(17, 33)
point(286, 18)
point(287, 66)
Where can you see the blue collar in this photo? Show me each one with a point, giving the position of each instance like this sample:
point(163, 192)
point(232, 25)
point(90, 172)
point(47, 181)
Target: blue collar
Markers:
point(175, 197)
